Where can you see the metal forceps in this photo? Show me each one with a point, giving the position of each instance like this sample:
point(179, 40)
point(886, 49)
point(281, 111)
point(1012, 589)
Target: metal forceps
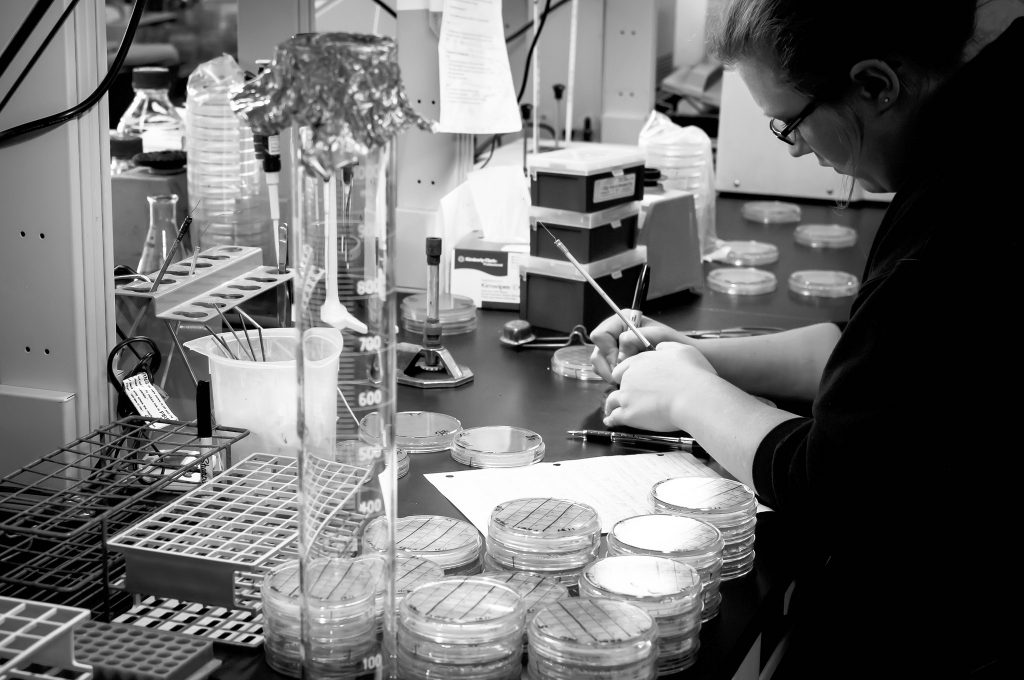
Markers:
point(734, 332)
point(519, 334)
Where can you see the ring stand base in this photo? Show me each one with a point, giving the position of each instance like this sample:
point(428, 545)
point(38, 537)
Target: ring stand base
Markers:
point(429, 367)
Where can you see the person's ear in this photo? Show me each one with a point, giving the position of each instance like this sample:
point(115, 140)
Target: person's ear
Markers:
point(876, 81)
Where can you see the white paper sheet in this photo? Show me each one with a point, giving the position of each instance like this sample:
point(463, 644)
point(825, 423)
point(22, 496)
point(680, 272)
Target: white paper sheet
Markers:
point(477, 94)
point(615, 486)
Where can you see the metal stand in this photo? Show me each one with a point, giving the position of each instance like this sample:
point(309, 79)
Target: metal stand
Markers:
point(430, 364)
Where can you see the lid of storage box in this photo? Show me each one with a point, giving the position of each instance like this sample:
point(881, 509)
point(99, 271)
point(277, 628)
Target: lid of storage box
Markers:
point(590, 159)
point(571, 218)
point(564, 269)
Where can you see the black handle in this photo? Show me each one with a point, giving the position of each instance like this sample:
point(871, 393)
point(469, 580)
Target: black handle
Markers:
point(433, 250)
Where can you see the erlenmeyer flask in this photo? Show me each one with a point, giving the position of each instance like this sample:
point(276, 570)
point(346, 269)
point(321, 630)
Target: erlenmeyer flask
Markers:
point(161, 234)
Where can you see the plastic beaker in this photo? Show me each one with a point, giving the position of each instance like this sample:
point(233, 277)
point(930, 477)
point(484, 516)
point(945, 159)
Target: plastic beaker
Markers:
point(261, 395)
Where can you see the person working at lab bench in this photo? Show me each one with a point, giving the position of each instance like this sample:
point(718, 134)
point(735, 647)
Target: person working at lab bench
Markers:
point(892, 483)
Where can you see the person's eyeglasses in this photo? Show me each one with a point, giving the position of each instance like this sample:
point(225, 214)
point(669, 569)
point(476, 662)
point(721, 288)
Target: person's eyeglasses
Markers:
point(784, 130)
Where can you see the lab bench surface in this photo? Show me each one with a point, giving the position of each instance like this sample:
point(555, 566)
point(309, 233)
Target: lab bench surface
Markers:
point(517, 387)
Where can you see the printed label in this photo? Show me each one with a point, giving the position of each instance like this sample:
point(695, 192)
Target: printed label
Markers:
point(146, 400)
point(611, 188)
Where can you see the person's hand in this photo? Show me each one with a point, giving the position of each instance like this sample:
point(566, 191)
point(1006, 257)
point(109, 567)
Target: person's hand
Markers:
point(652, 385)
point(613, 341)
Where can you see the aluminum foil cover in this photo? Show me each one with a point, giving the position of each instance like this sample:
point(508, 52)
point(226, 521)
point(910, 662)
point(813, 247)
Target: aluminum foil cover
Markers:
point(345, 87)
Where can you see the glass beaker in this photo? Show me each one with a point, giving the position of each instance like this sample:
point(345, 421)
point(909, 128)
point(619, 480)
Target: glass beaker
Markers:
point(161, 234)
point(345, 283)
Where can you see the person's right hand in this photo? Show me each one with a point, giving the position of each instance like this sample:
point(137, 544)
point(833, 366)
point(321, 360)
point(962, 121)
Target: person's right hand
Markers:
point(614, 341)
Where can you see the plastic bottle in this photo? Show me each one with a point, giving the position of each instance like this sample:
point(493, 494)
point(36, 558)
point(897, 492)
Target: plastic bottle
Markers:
point(151, 115)
point(123, 149)
point(224, 178)
point(161, 234)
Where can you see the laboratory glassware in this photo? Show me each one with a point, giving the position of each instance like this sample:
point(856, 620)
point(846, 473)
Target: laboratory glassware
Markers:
point(151, 115)
point(161, 237)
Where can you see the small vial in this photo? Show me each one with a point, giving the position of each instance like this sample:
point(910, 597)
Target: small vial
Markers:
point(123, 148)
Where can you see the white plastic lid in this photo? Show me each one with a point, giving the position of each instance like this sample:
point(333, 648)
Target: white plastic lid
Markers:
point(825, 235)
point(823, 283)
point(741, 281)
point(670, 535)
point(745, 253)
point(672, 586)
point(771, 212)
point(554, 216)
point(564, 269)
point(590, 159)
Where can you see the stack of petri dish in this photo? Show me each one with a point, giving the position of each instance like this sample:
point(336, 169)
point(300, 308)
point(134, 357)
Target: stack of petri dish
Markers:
point(537, 591)
point(342, 626)
point(455, 313)
point(574, 362)
point(415, 432)
point(667, 589)
point(546, 536)
point(692, 541)
point(453, 544)
point(410, 572)
point(497, 446)
point(592, 638)
point(466, 627)
point(727, 504)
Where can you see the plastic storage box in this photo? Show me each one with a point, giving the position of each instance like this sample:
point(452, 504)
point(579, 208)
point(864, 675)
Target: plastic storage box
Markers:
point(587, 178)
point(588, 236)
point(553, 295)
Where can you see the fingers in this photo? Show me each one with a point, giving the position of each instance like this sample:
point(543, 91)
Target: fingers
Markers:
point(612, 409)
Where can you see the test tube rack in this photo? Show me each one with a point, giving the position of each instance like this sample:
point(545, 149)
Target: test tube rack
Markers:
point(37, 640)
point(57, 512)
point(224, 625)
point(194, 548)
point(121, 651)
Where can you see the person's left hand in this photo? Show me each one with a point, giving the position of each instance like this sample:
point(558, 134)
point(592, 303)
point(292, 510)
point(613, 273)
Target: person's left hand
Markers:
point(652, 385)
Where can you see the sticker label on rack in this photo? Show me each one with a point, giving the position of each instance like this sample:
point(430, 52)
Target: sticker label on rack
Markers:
point(611, 188)
point(146, 399)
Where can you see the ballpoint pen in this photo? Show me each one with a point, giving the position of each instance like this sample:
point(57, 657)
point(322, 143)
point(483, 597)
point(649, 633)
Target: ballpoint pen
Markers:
point(643, 282)
point(682, 443)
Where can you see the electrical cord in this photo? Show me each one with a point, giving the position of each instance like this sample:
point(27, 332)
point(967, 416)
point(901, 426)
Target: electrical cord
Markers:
point(533, 46)
point(525, 27)
point(39, 51)
point(35, 15)
point(383, 6)
point(11, 134)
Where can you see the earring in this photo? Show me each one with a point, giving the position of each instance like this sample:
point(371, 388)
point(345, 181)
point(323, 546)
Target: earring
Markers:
point(885, 101)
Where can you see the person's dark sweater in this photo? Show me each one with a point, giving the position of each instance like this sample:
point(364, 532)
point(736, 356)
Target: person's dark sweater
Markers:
point(896, 486)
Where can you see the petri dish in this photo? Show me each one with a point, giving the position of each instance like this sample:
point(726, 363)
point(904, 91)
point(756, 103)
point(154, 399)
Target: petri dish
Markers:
point(415, 431)
point(823, 283)
point(543, 535)
point(825, 235)
point(726, 503)
point(741, 281)
point(588, 637)
point(537, 591)
point(497, 446)
point(746, 253)
point(667, 589)
point(693, 541)
point(461, 620)
point(453, 544)
point(455, 313)
point(771, 212)
point(574, 362)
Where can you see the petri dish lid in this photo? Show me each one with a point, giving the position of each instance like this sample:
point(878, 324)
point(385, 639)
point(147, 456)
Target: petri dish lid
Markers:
point(825, 235)
point(650, 579)
point(415, 431)
point(745, 253)
point(536, 590)
point(497, 446)
point(455, 313)
point(574, 362)
point(340, 586)
point(593, 631)
point(823, 283)
point(713, 498)
point(445, 541)
point(771, 212)
point(669, 535)
point(544, 525)
point(741, 281)
point(463, 610)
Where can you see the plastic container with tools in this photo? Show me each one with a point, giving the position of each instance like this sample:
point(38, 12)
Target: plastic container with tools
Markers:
point(553, 295)
point(586, 178)
point(588, 236)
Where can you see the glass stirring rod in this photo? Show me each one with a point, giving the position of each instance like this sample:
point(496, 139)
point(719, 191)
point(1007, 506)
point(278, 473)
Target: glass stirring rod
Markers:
point(600, 291)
